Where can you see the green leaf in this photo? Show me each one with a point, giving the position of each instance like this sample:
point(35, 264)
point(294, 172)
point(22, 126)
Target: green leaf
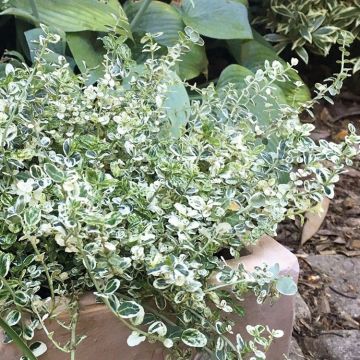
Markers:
point(177, 105)
point(130, 309)
point(252, 55)
point(234, 74)
point(88, 53)
point(158, 17)
point(219, 19)
point(13, 317)
point(286, 286)
point(193, 63)
point(32, 216)
point(5, 262)
point(54, 173)
point(193, 338)
point(69, 15)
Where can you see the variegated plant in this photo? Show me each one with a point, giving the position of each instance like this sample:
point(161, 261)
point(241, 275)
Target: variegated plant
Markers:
point(128, 189)
point(310, 25)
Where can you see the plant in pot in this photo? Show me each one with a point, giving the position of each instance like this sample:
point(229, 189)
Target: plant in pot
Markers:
point(129, 190)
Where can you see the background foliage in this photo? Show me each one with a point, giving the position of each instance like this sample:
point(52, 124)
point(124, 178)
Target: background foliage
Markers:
point(308, 26)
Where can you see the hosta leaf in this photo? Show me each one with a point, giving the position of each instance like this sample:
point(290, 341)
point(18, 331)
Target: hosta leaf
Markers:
point(234, 74)
point(219, 19)
point(252, 55)
point(130, 309)
point(88, 53)
point(193, 63)
point(177, 105)
point(69, 15)
point(193, 338)
point(32, 216)
point(158, 17)
point(286, 286)
point(54, 173)
point(161, 17)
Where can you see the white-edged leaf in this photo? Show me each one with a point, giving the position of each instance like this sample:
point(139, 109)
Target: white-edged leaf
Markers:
point(5, 261)
point(54, 172)
point(135, 339)
point(193, 338)
point(32, 216)
point(13, 317)
point(38, 348)
point(111, 286)
point(130, 309)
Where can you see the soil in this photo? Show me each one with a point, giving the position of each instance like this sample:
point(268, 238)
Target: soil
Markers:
point(330, 290)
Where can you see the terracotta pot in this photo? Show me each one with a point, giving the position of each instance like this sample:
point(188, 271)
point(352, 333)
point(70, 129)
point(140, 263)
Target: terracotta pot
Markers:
point(106, 336)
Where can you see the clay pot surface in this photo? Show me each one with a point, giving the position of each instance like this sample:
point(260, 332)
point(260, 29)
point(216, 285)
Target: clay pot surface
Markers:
point(106, 336)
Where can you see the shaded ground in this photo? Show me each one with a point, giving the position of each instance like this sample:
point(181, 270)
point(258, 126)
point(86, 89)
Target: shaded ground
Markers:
point(330, 261)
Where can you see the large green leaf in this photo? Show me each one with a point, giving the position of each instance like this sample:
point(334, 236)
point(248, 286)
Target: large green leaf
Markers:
point(161, 17)
point(177, 105)
point(158, 17)
point(57, 49)
point(253, 53)
point(69, 15)
point(236, 75)
point(88, 53)
point(193, 63)
point(219, 19)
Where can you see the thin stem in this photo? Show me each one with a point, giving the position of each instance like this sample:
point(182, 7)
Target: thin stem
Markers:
point(17, 340)
point(48, 333)
point(106, 301)
point(48, 277)
point(145, 4)
point(73, 333)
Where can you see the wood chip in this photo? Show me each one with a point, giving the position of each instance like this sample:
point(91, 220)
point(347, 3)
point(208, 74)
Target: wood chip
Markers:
point(327, 252)
point(350, 253)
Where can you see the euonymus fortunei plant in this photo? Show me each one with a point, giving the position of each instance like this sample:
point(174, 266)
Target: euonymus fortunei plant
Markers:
point(128, 189)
